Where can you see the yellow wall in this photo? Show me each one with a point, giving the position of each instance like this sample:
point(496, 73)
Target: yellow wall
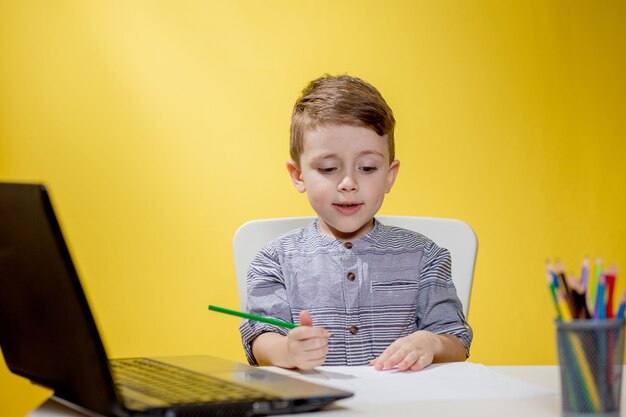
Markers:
point(161, 126)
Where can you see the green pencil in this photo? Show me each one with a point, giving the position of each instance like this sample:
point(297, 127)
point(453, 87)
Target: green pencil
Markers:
point(253, 317)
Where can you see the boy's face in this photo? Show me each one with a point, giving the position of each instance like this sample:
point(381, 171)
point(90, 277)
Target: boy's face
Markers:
point(345, 172)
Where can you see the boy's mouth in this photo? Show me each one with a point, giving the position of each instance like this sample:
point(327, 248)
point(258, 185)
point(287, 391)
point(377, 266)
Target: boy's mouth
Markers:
point(348, 208)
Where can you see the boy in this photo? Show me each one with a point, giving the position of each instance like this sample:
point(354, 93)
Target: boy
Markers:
point(363, 293)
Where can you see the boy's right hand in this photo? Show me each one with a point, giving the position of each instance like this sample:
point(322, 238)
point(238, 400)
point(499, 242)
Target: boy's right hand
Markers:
point(307, 346)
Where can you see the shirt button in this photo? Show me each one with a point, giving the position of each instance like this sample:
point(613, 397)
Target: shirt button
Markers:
point(354, 329)
point(348, 245)
point(350, 276)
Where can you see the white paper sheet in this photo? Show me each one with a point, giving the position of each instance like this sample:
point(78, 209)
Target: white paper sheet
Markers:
point(450, 381)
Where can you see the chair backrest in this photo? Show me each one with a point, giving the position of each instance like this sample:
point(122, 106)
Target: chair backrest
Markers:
point(454, 235)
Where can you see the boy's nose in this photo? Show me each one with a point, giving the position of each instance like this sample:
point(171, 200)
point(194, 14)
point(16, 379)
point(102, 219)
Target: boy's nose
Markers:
point(348, 184)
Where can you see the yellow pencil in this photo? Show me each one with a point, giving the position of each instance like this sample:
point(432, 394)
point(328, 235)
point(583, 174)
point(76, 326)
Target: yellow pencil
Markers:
point(580, 357)
point(566, 314)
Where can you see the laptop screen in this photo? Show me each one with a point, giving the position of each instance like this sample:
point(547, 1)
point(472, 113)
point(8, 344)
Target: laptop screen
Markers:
point(47, 332)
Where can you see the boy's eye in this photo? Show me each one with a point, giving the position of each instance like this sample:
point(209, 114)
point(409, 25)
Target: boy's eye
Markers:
point(327, 170)
point(368, 170)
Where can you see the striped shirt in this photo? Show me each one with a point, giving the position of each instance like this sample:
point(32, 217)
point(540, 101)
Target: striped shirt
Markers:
point(367, 292)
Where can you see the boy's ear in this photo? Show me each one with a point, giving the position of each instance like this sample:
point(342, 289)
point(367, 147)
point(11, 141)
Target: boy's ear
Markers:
point(392, 173)
point(296, 176)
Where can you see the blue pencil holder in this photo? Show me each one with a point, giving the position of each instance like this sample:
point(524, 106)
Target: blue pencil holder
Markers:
point(591, 356)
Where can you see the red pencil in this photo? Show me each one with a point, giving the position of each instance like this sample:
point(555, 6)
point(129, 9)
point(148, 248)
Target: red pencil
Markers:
point(610, 285)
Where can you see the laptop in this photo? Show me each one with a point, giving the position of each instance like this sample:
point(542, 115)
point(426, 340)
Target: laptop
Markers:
point(48, 335)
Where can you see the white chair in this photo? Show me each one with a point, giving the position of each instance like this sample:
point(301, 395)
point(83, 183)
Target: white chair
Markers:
point(454, 235)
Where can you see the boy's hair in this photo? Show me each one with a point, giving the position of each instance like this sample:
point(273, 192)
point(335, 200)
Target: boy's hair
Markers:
point(340, 100)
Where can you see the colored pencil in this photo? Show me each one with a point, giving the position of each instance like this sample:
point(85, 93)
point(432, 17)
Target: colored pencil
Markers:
point(592, 285)
point(622, 307)
point(578, 397)
point(589, 382)
point(552, 287)
point(254, 317)
point(566, 313)
point(564, 287)
point(584, 272)
point(572, 296)
point(600, 308)
point(578, 290)
point(610, 288)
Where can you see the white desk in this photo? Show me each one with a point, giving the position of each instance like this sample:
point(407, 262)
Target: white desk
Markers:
point(535, 406)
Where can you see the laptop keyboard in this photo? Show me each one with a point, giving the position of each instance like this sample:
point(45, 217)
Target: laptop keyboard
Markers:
point(177, 385)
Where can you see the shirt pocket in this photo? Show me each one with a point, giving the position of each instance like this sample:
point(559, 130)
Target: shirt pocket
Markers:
point(394, 292)
point(394, 287)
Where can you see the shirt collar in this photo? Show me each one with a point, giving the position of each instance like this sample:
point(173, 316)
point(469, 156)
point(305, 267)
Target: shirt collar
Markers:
point(366, 240)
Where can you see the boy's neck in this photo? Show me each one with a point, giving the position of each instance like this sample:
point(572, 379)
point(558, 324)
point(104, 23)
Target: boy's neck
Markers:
point(345, 236)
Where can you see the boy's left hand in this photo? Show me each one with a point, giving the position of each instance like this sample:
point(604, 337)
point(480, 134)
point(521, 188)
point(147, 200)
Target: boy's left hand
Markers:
point(413, 352)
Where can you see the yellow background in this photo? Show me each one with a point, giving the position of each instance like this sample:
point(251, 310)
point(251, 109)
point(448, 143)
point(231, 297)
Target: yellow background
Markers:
point(162, 126)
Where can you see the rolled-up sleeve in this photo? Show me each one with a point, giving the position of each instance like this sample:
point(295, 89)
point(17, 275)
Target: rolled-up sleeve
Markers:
point(439, 308)
point(266, 297)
